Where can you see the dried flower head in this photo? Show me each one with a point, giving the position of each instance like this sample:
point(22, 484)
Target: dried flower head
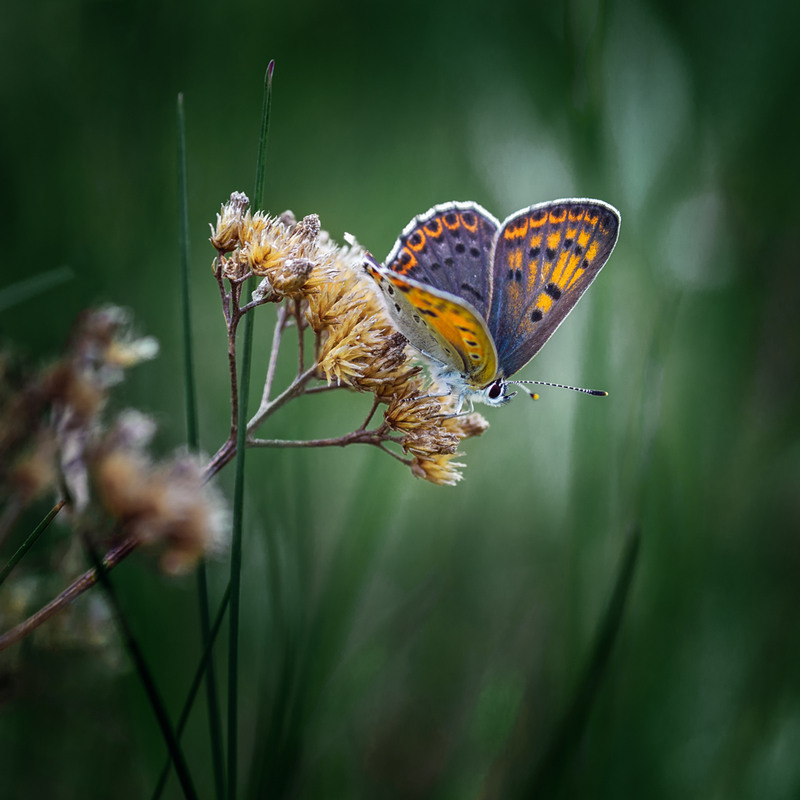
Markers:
point(169, 506)
point(225, 236)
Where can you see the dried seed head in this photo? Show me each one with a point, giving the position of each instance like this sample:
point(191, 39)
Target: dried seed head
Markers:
point(168, 506)
point(439, 469)
point(225, 236)
point(292, 275)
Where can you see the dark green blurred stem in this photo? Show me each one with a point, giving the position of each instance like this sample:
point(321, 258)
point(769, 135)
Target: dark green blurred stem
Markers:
point(192, 440)
point(574, 722)
point(145, 676)
point(541, 779)
point(238, 498)
point(31, 540)
point(205, 663)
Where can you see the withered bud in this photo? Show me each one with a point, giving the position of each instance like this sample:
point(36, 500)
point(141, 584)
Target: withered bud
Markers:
point(306, 233)
point(288, 218)
point(225, 236)
point(292, 275)
point(264, 293)
point(472, 425)
point(34, 472)
point(437, 469)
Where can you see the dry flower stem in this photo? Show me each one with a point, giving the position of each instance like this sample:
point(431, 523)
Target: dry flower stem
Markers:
point(113, 557)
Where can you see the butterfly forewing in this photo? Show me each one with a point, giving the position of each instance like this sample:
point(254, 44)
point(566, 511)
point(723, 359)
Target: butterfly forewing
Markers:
point(545, 258)
point(449, 247)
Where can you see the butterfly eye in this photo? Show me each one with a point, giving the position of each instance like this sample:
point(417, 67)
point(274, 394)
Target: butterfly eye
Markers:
point(495, 390)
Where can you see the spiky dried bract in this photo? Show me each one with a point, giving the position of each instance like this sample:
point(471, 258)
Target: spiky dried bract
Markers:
point(279, 250)
point(225, 236)
point(439, 469)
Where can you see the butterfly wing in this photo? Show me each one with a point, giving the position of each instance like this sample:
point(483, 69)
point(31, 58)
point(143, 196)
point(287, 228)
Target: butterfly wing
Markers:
point(545, 258)
point(449, 247)
point(440, 325)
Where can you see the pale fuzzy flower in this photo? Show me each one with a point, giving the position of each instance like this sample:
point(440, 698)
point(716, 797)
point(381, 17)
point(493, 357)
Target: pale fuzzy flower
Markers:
point(292, 275)
point(439, 469)
point(129, 353)
point(283, 254)
point(35, 471)
point(225, 236)
point(168, 506)
point(467, 425)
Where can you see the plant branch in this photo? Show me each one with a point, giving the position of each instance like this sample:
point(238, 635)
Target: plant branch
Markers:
point(113, 557)
point(295, 389)
point(273, 357)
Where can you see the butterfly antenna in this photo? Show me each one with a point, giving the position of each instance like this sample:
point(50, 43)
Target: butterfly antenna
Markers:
point(534, 396)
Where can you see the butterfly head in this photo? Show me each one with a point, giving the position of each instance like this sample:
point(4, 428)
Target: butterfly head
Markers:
point(495, 394)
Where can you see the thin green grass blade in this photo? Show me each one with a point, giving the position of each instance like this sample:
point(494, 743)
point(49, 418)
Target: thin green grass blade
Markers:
point(238, 492)
point(205, 663)
point(30, 541)
point(190, 393)
point(145, 676)
point(193, 441)
point(261, 158)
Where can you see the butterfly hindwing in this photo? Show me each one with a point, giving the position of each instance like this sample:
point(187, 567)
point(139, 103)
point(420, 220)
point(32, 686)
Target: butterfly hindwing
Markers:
point(449, 248)
point(545, 258)
point(438, 324)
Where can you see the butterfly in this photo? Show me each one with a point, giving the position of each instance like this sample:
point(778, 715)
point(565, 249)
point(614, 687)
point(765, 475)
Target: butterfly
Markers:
point(479, 298)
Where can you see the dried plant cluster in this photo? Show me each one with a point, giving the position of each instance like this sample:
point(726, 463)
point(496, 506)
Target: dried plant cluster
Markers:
point(54, 437)
point(323, 288)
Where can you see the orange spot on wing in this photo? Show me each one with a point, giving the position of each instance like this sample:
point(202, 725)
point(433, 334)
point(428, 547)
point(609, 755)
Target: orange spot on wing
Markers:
point(537, 223)
point(455, 224)
point(575, 270)
point(544, 302)
point(434, 227)
point(471, 228)
point(583, 238)
point(404, 265)
point(515, 259)
point(576, 214)
point(553, 239)
point(518, 230)
point(558, 273)
point(592, 252)
point(536, 240)
point(556, 218)
point(420, 241)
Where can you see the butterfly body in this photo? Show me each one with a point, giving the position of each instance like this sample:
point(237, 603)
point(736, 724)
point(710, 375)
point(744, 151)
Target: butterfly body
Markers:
point(479, 298)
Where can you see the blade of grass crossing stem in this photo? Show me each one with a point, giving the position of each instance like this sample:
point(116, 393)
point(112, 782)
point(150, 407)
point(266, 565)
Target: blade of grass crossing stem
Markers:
point(205, 661)
point(193, 441)
point(238, 493)
point(145, 676)
point(31, 540)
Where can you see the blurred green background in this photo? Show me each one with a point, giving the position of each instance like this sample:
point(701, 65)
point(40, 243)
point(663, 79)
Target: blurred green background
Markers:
point(401, 639)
